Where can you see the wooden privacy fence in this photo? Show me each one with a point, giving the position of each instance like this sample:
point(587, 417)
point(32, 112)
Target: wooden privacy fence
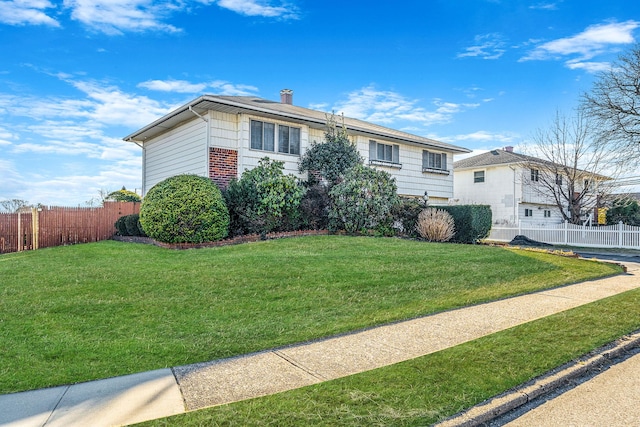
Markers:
point(57, 226)
point(610, 236)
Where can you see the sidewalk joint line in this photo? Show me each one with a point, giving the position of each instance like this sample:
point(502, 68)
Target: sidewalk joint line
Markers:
point(68, 387)
point(292, 362)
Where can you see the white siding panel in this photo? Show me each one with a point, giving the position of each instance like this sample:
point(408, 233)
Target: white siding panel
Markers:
point(410, 179)
point(179, 151)
point(249, 158)
point(224, 130)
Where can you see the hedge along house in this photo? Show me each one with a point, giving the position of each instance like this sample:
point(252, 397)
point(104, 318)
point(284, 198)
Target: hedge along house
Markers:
point(222, 136)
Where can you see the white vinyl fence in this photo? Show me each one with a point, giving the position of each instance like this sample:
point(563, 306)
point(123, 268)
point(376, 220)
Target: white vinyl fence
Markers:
point(610, 236)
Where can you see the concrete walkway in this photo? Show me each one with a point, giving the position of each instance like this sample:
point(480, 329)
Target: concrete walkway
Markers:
point(149, 395)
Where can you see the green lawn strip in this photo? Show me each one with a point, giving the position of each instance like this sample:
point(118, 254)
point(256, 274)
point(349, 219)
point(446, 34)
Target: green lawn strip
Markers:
point(77, 313)
point(431, 388)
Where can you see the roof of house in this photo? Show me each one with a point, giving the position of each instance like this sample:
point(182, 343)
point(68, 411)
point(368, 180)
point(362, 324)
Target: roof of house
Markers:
point(278, 110)
point(501, 157)
point(495, 158)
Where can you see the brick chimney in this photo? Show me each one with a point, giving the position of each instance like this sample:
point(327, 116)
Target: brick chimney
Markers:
point(286, 96)
point(508, 149)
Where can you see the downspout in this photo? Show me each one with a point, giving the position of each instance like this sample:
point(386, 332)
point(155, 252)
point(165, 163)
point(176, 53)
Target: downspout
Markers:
point(208, 136)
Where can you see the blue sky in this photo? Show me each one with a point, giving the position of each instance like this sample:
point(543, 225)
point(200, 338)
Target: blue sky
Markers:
point(76, 76)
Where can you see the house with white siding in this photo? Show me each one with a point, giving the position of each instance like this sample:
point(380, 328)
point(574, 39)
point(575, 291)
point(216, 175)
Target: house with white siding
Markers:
point(523, 188)
point(222, 136)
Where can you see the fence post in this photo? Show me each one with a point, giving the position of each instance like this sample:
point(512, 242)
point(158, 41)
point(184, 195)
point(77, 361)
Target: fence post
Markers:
point(35, 227)
point(620, 234)
point(566, 232)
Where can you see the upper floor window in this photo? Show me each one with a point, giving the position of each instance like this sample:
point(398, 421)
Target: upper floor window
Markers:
point(586, 184)
point(263, 137)
point(478, 176)
point(528, 212)
point(558, 179)
point(535, 175)
point(288, 139)
point(434, 161)
point(547, 214)
point(387, 153)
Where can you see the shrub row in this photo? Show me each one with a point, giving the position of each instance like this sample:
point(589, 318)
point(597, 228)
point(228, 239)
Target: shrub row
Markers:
point(472, 222)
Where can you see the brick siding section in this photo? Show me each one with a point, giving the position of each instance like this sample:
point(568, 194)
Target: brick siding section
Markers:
point(223, 166)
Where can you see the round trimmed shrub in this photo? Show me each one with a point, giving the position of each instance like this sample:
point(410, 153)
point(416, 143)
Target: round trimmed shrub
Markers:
point(185, 209)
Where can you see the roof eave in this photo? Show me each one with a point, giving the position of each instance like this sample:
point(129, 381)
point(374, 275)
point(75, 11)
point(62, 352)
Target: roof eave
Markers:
point(135, 136)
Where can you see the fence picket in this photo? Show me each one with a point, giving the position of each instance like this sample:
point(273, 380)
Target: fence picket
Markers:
point(57, 226)
point(611, 236)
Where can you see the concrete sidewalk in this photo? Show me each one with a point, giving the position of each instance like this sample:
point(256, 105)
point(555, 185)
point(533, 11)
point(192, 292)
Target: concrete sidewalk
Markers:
point(149, 395)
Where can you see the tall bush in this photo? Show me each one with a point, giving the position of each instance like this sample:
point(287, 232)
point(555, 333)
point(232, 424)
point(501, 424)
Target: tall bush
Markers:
point(185, 209)
point(363, 200)
point(405, 215)
point(472, 222)
point(329, 160)
point(264, 199)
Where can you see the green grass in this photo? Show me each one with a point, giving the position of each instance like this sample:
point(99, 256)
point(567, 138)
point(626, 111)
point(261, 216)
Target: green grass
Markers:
point(91, 311)
point(429, 389)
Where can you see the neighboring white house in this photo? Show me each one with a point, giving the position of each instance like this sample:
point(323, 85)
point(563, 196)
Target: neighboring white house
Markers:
point(222, 136)
point(511, 183)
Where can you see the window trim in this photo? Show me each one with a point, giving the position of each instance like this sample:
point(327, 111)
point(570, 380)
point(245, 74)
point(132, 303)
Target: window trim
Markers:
point(476, 177)
point(375, 160)
point(535, 175)
point(289, 133)
point(277, 140)
point(262, 134)
point(528, 213)
point(426, 158)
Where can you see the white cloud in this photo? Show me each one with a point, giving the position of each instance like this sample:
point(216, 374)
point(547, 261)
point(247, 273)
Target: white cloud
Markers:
point(593, 41)
point(115, 17)
point(220, 87)
point(385, 107)
point(483, 136)
point(78, 188)
point(23, 12)
point(179, 86)
point(544, 6)
point(259, 8)
point(12, 181)
point(486, 46)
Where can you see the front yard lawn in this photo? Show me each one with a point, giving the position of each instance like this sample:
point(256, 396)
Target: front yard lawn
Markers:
point(428, 389)
point(84, 312)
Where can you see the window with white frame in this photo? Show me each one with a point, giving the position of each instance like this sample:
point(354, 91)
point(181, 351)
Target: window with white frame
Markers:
point(288, 140)
point(478, 176)
point(558, 179)
point(384, 153)
point(263, 137)
point(535, 175)
point(547, 214)
point(434, 162)
point(528, 212)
